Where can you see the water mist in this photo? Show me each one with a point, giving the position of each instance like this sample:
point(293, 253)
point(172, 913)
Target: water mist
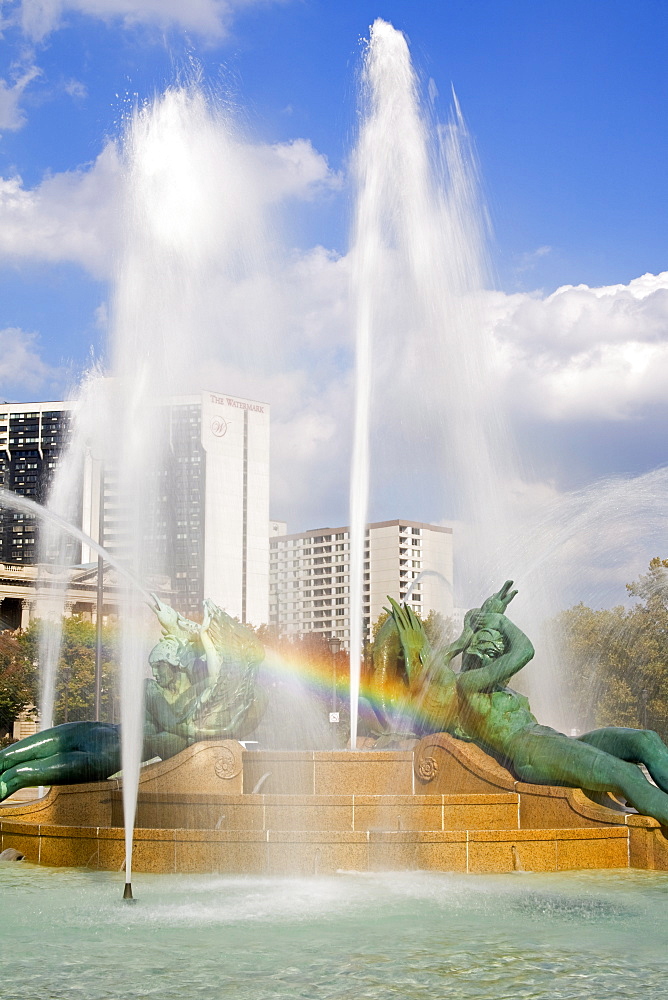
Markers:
point(57, 549)
point(191, 229)
point(186, 221)
point(13, 501)
point(429, 418)
point(423, 352)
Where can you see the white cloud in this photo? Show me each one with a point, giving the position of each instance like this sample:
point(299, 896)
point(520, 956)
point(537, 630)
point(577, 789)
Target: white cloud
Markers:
point(76, 89)
point(101, 316)
point(272, 323)
point(527, 261)
point(35, 20)
point(579, 354)
point(277, 325)
point(21, 366)
point(11, 113)
point(208, 18)
point(71, 216)
point(585, 353)
point(76, 215)
point(293, 170)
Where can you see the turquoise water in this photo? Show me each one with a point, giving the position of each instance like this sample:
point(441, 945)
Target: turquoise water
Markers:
point(599, 935)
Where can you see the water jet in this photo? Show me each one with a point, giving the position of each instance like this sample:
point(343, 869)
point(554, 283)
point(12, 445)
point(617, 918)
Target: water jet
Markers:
point(438, 802)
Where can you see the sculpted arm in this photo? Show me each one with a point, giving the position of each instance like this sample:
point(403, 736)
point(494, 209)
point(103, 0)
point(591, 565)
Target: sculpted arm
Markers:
point(173, 623)
point(460, 645)
point(518, 651)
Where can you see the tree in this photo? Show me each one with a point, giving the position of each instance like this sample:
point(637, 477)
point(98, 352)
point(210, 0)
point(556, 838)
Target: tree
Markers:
point(615, 661)
point(308, 645)
point(440, 629)
point(18, 681)
point(75, 677)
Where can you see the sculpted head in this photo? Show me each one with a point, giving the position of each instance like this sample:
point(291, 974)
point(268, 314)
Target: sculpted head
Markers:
point(165, 661)
point(487, 644)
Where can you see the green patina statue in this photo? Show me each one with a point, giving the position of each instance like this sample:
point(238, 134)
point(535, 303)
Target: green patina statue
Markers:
point(203, 687)
point(477, 705)
point(412, 691)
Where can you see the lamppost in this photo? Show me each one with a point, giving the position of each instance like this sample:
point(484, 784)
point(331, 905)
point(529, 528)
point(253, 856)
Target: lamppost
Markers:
point(334, 647)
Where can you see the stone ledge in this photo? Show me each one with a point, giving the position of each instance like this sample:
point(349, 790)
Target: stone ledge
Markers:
point(317, 836)
point(417, 836)
point(558, 833)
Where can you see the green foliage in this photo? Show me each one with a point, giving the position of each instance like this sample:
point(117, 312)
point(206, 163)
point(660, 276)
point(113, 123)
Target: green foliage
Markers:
point(439, 629)
point(309, 645)
point(75, 681)
point(378, 624)
point(18, 681)
point(616, 660)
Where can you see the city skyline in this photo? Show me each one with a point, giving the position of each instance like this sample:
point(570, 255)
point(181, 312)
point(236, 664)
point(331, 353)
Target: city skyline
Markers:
point(564, 107)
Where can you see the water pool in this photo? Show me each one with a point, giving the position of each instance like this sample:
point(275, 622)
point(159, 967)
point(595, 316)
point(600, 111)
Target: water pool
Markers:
point(66, 933)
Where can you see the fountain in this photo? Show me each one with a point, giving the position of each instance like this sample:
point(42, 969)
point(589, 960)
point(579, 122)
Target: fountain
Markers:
point(464, 744)
point(438, 799)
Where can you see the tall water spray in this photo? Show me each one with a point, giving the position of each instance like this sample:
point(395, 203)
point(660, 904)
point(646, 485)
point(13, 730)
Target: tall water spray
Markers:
point(57, 550)
point(190, 227)
point(60, 550)
point(191, 232)
point(423, 352)
point(429, 416)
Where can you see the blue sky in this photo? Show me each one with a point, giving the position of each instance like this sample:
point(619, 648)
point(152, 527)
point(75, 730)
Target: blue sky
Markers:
point(566, 104)
point(565, 100)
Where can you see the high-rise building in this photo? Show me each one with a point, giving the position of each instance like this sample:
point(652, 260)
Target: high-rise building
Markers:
point(32, 437)
point(309, 588)
point(212, 510)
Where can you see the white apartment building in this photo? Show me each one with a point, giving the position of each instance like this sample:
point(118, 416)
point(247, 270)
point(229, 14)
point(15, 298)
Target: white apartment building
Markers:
point(211, 518)
point(309, 575)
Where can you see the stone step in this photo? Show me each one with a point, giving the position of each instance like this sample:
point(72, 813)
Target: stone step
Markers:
point(323, 812)
point(308, 852)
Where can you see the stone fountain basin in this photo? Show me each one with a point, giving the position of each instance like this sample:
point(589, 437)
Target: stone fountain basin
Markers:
point(443, 806)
